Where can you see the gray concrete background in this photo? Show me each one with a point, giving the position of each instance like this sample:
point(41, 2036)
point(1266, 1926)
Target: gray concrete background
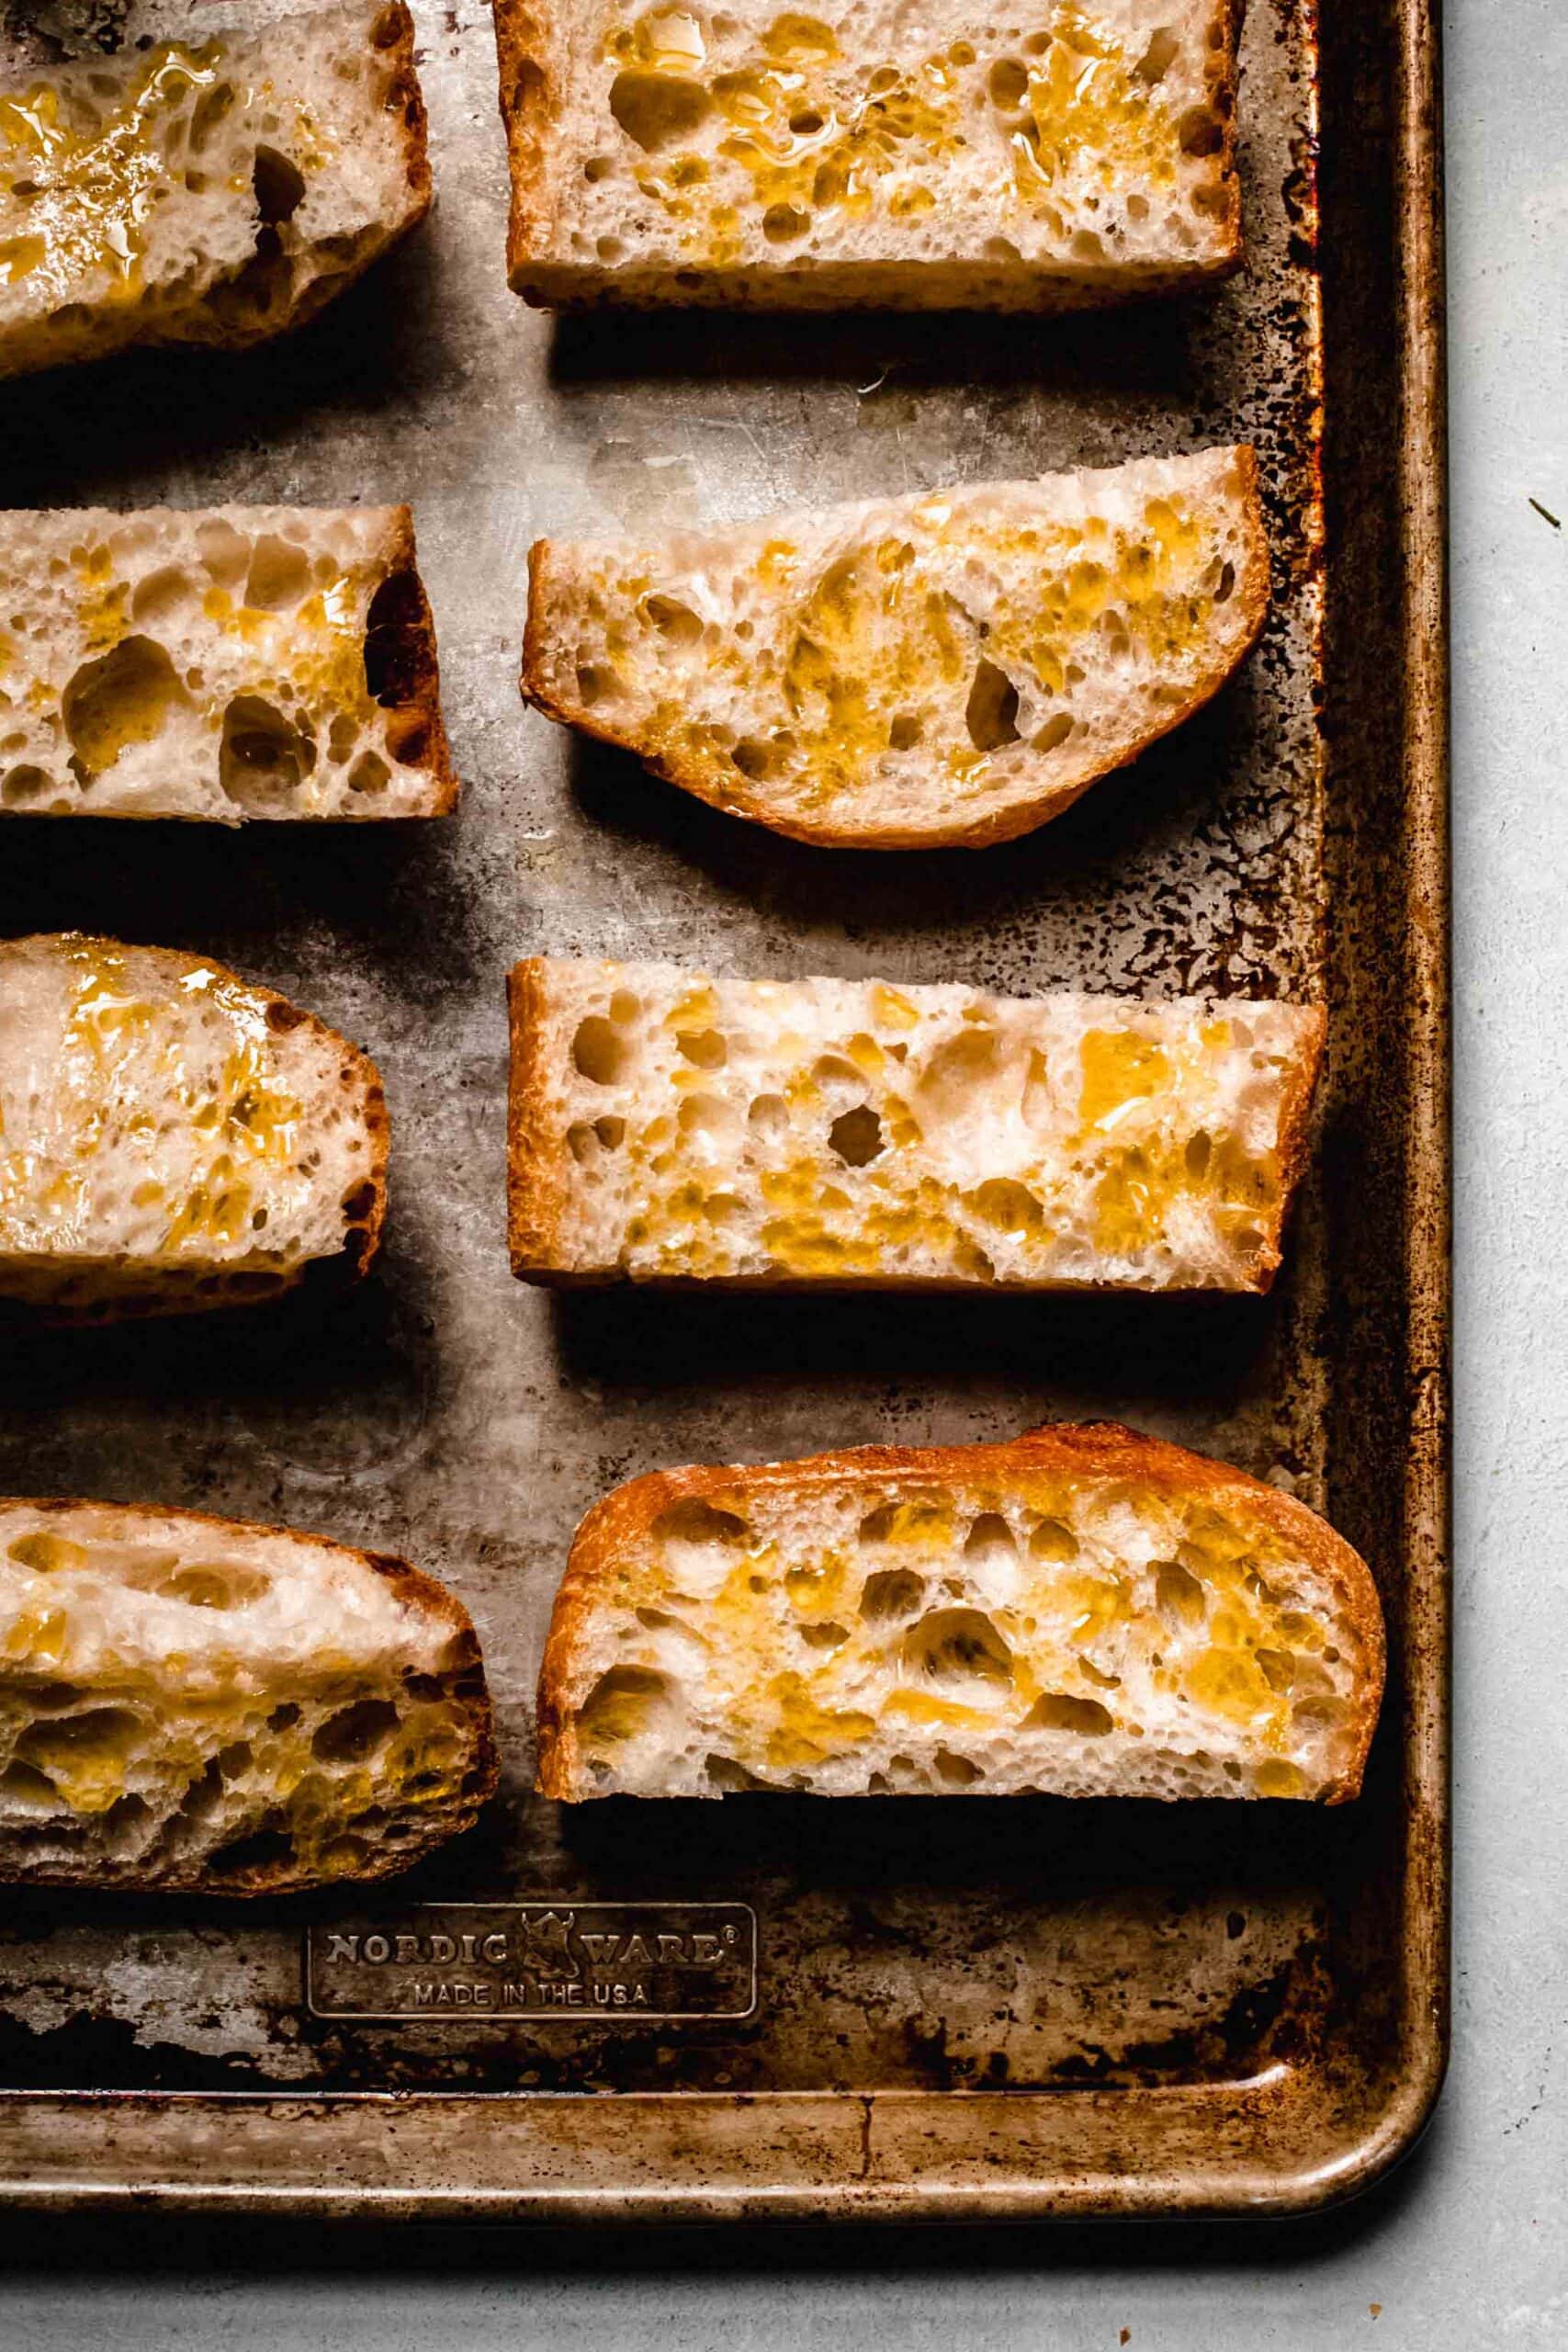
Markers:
point(1468, 2247)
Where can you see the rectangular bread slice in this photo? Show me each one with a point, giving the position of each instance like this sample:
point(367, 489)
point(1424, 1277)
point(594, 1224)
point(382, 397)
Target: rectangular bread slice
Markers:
point(946, 670)
point(230, 663)
point(868, 154)
point(172, 1136)
point(667, 1127)
point(213, 190)
point(188, 1702)
point(1082, 1612)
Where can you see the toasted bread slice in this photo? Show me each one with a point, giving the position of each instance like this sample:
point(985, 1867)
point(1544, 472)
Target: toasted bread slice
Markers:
point(211, 190)
point(189, 1702)
point(667, 1127)
point(947, 670)
point(1083, 1612)
point(232, 662)
point(171, 1136)
point(861, 155)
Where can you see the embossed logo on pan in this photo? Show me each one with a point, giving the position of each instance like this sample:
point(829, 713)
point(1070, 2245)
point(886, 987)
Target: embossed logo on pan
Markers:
point(608, 1963)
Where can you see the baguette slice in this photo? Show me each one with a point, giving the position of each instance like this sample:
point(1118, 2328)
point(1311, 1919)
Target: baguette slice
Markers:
point(171, 1136)
point(1082, 1612)
point(666, 1126)
point(187, 1702)
point(233, 662)
point(948, 670)
point(869, 154)
point(213, 190)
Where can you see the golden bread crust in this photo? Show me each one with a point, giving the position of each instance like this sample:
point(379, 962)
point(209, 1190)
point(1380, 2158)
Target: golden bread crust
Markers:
point(400, 647)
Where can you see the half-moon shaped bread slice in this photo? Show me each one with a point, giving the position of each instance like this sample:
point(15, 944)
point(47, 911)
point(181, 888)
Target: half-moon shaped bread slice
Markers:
point(172, 1136)
point(191, 1703)
point(229, 663)
point(1084, 1612)
point(675, 1126)
point(947, 670)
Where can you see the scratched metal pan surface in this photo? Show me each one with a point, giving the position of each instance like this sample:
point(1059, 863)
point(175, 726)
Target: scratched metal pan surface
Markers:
point(898, 2007)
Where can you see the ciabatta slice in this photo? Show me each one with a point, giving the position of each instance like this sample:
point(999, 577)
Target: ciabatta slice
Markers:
point(189, 1702)
point(216, 188)
point(868, 152)
point(949, 669)
point(1084, 1612)
point(172, 1136)
point(228, 662)
point(667, 1127)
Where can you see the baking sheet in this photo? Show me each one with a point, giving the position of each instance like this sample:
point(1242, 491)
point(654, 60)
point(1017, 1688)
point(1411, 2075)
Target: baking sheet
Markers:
point(986, 2006)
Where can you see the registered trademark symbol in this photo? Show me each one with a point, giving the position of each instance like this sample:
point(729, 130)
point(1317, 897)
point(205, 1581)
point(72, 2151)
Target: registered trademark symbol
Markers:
point(732, 1935)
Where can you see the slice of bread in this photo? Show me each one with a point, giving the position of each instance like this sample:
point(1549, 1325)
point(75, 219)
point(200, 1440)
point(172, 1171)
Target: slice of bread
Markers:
point(232, 663)
point(1082, 1612)
point(946, 670)
point(667, 1127)
point(869, 153)
point(171, 1136)
point(211, 190)
point(188, 1702)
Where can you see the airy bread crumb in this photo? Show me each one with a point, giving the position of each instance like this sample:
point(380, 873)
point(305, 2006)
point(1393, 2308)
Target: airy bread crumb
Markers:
point(171, 1136)
point(670, 1126)
point(189, 1702)
point(237, 663)
point(216, 190)
point(865, 154)
point(1084, 1612)
point(949, 669)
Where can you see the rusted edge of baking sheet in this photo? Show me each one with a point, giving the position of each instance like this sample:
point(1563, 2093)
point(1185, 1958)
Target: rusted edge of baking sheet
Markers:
point(956, 2156)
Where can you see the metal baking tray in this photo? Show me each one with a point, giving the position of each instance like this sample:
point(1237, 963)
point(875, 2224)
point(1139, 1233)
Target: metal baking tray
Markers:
point(769, 2005)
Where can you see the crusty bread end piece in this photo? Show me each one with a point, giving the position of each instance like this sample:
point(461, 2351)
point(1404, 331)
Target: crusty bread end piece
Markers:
point(190, 1703)
point(216, 190)
point(946, 670)
point(860, 155)
point(236, 664)
point(172, 1136)
point(667, 1127)
point(1084, 1612)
